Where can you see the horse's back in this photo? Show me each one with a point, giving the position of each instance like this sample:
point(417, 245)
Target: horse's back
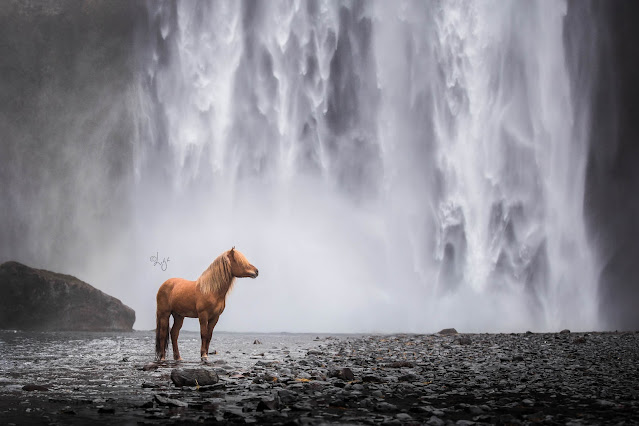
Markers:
point(177, 295)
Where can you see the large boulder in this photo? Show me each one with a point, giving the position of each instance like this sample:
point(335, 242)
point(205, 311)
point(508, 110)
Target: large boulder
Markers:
point(35, 299)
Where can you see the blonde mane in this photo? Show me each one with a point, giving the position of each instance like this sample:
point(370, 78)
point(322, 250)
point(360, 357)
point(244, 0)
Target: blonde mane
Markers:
point(217, 278)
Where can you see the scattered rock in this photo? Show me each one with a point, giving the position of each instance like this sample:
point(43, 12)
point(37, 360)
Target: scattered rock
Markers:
point(150, 366)
point(564, 331)
point(163, 400)
point(106, 410)
point(345, 374)
point(447, 332)
point(265, 404)
point(579, 340)
point(194, 377)
point(257, 342)
point(408, 378)
point(32, 387)
point(400, 364)
point(370, 378)
point(435, 421)
point(464, 340)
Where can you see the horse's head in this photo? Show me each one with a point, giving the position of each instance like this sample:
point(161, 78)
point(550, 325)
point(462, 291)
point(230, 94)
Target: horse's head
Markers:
point(240, 266)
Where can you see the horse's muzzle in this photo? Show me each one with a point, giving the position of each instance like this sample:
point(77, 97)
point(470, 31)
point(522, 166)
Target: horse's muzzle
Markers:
point(256, 273)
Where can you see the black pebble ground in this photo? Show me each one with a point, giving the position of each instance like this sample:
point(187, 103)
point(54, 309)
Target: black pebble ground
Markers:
point(530, 378)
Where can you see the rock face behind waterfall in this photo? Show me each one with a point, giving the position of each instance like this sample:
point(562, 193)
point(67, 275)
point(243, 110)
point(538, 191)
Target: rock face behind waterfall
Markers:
point(35, 299)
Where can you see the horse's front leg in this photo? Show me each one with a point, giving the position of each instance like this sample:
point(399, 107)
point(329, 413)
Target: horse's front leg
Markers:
point(211, 326)
point(175, 331)
point(204, 331)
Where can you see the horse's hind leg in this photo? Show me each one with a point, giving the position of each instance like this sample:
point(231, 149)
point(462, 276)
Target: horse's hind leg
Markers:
point(175, 331)
point(161, 334)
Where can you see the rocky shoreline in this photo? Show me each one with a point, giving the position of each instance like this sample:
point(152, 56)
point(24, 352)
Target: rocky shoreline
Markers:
point(550, 378)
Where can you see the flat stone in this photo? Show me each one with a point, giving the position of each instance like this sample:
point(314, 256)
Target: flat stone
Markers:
point(32, 387)
point(265, 404)
point(163, 400)
point(435, 421)
point(447, 332)
point(345, 374)
point(194, 377)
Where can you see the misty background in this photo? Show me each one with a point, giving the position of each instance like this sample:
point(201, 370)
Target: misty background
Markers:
point(388, 166)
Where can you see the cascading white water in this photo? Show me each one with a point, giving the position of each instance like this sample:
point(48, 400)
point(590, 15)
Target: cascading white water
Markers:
point(389, 166)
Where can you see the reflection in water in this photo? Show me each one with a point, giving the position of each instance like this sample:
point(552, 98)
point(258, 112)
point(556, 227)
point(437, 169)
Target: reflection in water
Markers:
point(99, 366)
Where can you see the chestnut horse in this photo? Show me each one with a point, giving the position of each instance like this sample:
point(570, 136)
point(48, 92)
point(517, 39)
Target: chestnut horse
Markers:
point(204, 299)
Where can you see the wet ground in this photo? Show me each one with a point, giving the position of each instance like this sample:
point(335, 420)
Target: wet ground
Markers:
point(109, 378)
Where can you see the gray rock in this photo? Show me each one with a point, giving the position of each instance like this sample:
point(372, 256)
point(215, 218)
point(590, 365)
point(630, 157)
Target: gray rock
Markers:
point(36, 299)
point(266, 404)
point(194, 377)
point(464, 340)
point(447, 332)
point(163, 400)
point(345, 374)
point(32, 387)
point(435, 421)
point(286, 396)
point(385, 406)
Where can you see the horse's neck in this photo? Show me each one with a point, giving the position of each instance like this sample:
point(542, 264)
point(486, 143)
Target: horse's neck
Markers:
point(216, 290)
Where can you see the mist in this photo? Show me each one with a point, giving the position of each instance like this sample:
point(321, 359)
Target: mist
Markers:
point(388, 167)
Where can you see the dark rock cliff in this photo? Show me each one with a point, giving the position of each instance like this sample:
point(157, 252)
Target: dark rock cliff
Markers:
point(35, 299)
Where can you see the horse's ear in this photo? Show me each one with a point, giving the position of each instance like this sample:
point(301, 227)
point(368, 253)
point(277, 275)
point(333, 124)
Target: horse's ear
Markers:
point(232, 251)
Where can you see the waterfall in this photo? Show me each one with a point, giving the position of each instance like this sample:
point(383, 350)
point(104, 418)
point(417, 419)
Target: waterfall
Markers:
point(409, 163)
point(394, 166)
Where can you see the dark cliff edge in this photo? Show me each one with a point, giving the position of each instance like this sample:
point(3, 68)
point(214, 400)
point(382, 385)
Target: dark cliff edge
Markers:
point(36, 299)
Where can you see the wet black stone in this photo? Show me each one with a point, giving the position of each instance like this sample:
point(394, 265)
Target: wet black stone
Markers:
point(32, 387)
point(345, 374)
point(369, 378)
point(500, 378)
point(400, 364)
point(286, 396)
point(194, 377)
point(464, 340)
point(171, 402)
point(265, 404)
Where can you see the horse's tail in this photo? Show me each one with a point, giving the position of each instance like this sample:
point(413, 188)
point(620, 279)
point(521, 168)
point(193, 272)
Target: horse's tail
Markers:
point(160, 329)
